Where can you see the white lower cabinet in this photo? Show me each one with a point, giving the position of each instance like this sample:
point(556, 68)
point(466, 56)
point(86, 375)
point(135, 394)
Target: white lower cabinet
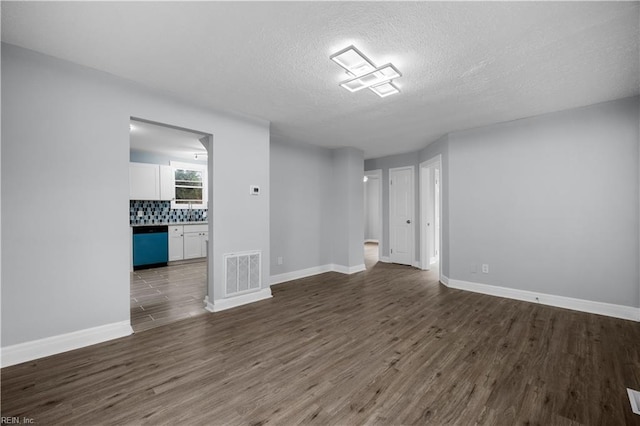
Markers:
point(187, 241)
point(176, 242)
point(192, 246)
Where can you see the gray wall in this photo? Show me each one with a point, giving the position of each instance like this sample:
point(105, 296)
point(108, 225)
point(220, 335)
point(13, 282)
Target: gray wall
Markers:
point(317, 214)
point(384, 164)
point(68, 126)
point(550, 203)
point(301, 222)
point(348, 207)
point(439, 147)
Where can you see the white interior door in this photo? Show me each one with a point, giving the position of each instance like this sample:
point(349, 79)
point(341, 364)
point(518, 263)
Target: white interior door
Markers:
point(401, 215)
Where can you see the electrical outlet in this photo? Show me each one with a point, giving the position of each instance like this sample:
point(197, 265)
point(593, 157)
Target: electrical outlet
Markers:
point(280, 260)
point(485, 268)
point(140, 213)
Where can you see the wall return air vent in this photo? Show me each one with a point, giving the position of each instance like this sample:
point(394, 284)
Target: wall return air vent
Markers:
point(242, 272)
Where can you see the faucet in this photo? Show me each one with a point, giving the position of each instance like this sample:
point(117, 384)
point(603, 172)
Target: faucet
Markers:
point(190, 213)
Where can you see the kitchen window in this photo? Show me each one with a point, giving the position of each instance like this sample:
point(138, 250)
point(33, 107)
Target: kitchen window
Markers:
point(190, 186)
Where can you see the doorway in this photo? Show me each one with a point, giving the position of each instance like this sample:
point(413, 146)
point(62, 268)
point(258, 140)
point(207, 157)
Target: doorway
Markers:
point(401, 212)
point(169, 182)
point(372, 182)
point(431, 213)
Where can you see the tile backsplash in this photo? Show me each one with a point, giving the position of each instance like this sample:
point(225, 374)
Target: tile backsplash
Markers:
point(161, 212)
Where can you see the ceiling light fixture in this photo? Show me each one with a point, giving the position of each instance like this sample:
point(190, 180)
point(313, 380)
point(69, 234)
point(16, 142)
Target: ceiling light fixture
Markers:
point(365, 74)
point(385, 89)
point(354, 61)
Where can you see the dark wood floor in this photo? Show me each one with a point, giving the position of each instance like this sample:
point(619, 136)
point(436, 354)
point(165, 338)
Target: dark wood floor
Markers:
point(160, 296)
point(386, 346)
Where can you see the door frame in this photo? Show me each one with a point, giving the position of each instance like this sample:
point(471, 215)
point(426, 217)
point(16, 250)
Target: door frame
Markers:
point(207, 143)
point(412, 244)
point(433, 162)
point(377, 174)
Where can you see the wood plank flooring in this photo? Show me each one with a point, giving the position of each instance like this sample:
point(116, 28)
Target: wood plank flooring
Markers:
point(386, 346)
point(160, 296)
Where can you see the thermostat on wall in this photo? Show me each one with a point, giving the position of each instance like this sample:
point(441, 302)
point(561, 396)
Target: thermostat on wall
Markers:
point(254, 190)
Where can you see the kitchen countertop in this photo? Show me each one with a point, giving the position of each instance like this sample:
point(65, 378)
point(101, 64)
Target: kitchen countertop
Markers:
point(135, 225)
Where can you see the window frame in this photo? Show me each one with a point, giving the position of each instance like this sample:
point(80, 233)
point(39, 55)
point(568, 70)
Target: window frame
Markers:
point(202, 168)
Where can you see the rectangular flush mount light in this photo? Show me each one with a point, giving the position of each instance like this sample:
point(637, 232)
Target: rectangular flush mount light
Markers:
point(352, 60)
point(364, 74)
point(385, 89)
point(379, 76)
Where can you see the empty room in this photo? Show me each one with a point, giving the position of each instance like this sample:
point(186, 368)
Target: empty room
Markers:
point(340, 213)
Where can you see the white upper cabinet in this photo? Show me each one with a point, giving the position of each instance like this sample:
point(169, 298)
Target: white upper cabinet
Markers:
point(144, 181)
point(151, 182)
point(167, 183)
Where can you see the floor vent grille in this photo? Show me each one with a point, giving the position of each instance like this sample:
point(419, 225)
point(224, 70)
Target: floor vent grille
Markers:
point(242, 272)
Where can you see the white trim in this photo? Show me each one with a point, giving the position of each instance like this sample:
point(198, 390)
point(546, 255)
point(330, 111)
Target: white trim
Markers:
point(384, 259)
point(348, 269)
point(316, 270)
point(372, 241)
point(600, 308)
point(417, 264)
point(302, 273)
point(634, 399)
point(444, 279)
point(243, 299)
point(412, 190)
point(436, 161)
point(34, 349)
point(204, 168)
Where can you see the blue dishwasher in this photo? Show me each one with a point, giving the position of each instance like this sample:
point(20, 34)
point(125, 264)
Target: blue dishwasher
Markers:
point(150, 246)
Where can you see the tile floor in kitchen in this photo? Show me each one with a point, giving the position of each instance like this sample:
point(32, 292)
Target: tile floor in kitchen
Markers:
point(163, 295)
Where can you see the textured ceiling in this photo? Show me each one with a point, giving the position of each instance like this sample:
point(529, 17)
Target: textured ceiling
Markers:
point(464, 64)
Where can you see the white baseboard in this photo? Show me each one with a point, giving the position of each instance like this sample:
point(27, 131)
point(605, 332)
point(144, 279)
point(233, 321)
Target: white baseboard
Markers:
point(302, 273)
point(309, 272)
point(417, 264)
point(444, 280)
point(600, 308)
point(384, 259)
point(243, 299)
point(348, 269)
point(27, 351)
point(372, 241)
